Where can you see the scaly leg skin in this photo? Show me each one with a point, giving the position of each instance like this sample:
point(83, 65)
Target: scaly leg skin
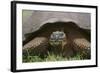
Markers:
point(37, 46)
point(80, 44)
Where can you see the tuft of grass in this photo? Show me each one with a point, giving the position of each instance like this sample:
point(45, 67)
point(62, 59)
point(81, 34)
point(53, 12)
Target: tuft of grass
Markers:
point(52, 57)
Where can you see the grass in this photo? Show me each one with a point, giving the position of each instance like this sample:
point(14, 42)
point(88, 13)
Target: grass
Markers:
point(52, 57)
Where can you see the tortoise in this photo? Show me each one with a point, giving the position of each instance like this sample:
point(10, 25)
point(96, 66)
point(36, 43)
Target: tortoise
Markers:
point(75, 39)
